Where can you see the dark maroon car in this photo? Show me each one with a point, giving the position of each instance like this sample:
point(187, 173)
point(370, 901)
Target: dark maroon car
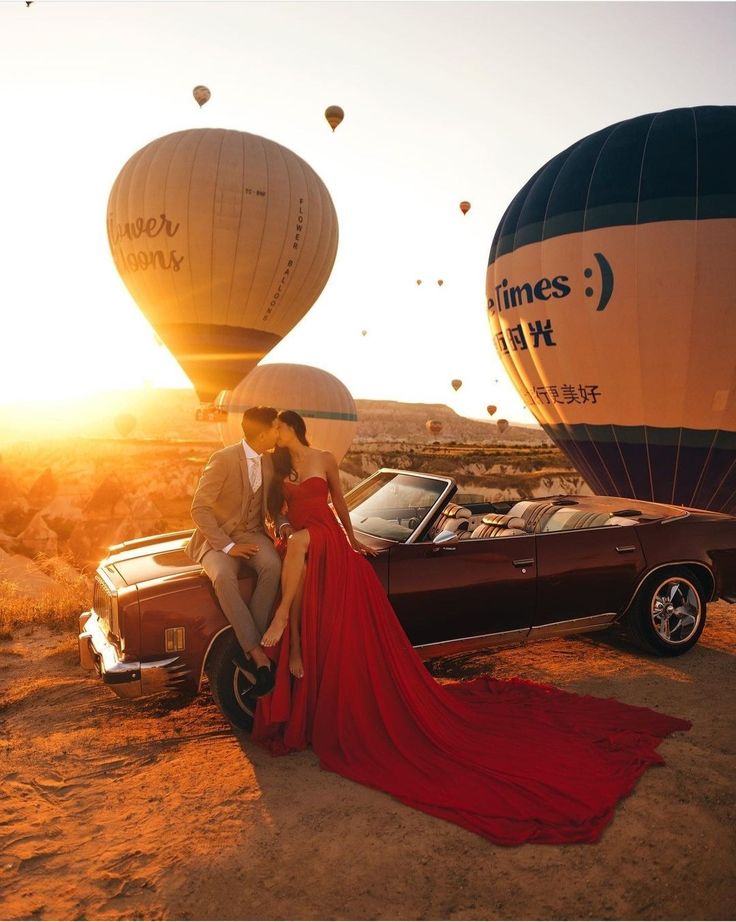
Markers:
point(460, 577)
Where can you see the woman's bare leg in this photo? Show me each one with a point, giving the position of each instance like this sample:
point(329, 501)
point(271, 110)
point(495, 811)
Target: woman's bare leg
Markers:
point(291, 571)
point(296, 664)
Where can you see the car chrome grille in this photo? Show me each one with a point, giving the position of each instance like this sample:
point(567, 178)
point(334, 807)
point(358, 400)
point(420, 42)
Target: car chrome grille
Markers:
point(104, 605)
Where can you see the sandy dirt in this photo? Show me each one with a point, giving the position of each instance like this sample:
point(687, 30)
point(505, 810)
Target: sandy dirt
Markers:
point(112, 809)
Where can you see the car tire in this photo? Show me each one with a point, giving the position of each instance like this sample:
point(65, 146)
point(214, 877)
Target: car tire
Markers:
point(668, 615)
point(231, 686)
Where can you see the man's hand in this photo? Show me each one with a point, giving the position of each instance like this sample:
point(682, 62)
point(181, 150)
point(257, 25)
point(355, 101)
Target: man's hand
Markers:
point(243, 550)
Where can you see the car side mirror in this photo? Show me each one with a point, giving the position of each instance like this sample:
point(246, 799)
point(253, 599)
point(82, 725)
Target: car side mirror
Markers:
point(446, 537)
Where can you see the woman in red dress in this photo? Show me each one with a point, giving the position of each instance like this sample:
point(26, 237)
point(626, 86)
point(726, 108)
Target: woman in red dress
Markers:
point(512, 760)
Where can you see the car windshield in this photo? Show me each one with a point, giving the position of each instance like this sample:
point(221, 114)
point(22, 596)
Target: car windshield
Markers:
point(392, 505)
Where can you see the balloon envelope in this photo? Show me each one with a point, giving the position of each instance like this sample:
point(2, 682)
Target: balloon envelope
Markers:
point(334, 115)
point(201, 94)
point(125, 423)
point(440, 282)
point(322, 399)
point(465, 207)
point(419, 281)
point(503, 425)
point(491, 409)
point(434, 426)
point(610, 293)
point(225, 240)
point(456, 384)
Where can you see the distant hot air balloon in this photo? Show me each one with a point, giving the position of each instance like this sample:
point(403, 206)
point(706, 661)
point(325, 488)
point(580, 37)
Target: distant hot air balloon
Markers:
point(440, 282)
point(456, 384)
point(322, 399)
point(465, 207)
point(610, 291)
point(491, 409)
point(419, 281)
point(434, 426)
point(364, 332)
point(125, 423)
point(201, 94)
point(503, 425)
point(225, 240)
point(334, 115)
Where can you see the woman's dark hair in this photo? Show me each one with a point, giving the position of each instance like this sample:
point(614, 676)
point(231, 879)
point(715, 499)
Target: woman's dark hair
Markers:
point(282, 462)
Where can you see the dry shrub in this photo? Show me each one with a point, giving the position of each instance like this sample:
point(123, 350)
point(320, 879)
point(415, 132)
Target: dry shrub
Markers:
point(58, 608)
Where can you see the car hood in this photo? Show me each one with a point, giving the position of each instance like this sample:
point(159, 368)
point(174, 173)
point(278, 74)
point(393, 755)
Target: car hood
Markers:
point(164, 558)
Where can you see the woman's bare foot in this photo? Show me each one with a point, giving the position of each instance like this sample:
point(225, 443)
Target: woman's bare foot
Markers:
point(296, 666)
point(276, 628)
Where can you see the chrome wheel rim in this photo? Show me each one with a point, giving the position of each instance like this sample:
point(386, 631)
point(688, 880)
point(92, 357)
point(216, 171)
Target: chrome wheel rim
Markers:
point(243, 682)
point(676, 610)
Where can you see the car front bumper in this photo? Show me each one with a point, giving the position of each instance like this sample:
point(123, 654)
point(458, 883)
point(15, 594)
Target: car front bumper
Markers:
point(127, 679)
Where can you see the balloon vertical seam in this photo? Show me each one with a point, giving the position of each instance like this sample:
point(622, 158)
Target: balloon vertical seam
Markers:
point(212, 233)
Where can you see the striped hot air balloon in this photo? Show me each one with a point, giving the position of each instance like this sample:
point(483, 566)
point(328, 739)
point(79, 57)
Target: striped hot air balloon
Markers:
point(225, 240)
point(611, 293)
point(322, 399)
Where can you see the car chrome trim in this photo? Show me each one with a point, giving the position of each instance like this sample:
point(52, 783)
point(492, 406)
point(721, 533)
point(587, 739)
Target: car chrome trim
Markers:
point(467, 644)
point(576, 625)
point(674, 518)
point(128, 680)
point(664, 566)
point(228, 627)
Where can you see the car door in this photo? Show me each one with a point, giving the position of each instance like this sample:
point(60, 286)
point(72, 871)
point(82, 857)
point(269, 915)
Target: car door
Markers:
point(472, 588)
point(586, 573)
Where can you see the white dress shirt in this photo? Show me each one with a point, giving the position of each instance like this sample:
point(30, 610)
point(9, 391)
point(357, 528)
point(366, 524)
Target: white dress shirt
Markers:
point(255, 475)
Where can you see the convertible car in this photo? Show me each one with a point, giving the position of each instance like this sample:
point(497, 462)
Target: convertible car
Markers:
point(461, 575)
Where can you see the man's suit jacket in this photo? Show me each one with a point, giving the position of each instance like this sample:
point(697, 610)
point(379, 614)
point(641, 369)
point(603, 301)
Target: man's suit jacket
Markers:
point(221, 499)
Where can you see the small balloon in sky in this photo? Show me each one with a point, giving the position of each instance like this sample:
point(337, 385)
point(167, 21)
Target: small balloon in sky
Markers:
point(125, 423)
point(440, 282)
point(434, 426)
point(503, 425)
point(491, 409)
point(456, 384)
point(201, 94)
point(465, 207)
point(363, 332)
point(334, 115)
point(419, 281)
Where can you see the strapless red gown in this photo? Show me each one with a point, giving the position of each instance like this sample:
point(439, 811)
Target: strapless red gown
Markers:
point(512, 760)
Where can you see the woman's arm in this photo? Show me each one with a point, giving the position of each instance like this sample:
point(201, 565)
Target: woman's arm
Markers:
point(339, 504)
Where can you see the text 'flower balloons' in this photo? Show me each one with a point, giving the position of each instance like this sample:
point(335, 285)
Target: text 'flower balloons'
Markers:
point(201, 94)
point(322, 399)
point(611, 299)
point(225, 240)
point(334, 115)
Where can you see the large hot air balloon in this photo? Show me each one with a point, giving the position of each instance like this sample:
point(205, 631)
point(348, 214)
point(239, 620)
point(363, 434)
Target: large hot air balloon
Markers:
point(612, 302)
point(125, 423)
point(201, 94)
point(334, 115)
point(491, 409)
point(225, 240)
point(434, 426)
point(322, 399)
point(456, 384)
point(503, 425)
point(465, 207)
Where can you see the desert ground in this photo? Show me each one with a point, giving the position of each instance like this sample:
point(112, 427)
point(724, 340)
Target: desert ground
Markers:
point(158, 810)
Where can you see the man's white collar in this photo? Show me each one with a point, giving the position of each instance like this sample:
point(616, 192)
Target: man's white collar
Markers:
point(249, 452)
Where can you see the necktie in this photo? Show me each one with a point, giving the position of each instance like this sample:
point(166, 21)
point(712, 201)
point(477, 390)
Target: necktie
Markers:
point(254, 472)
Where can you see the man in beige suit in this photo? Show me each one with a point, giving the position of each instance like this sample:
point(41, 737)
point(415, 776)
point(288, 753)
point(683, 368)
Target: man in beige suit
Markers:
point(229, 510)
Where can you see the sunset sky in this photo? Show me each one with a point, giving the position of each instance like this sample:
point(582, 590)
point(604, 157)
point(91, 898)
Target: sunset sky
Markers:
point(443, 102)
